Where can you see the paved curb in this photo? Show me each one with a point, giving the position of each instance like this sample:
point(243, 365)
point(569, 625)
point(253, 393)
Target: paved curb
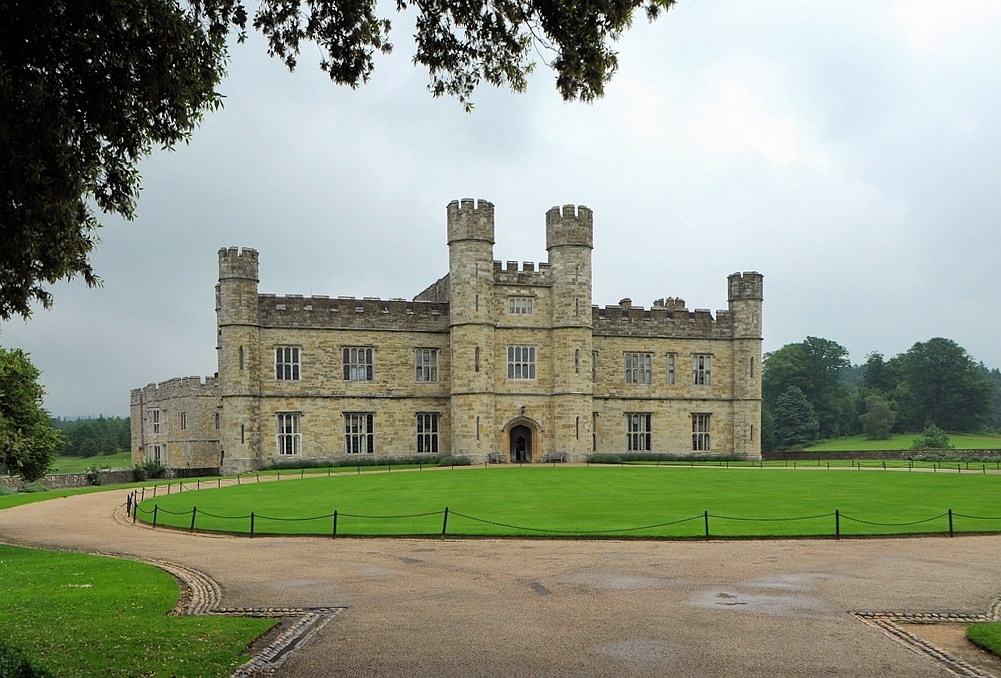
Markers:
point(888, 624)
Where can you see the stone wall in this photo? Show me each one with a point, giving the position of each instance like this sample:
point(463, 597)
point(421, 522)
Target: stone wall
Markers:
point(65, 481)
point(877, 454)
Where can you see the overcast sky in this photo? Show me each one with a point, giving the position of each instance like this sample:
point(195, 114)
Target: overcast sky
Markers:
point(850, 153)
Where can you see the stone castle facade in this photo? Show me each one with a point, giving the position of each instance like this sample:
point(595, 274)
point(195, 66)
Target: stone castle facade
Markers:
point(499, 363)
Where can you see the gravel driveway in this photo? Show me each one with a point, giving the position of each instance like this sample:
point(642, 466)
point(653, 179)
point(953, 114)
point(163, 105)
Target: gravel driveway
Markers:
point(565, 608)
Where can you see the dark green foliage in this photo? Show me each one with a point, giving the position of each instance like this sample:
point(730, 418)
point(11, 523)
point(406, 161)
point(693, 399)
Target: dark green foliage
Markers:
point(92, 437)
point(993, 377)
point(815, 366)
point(945, 387)
point(94, 475)
point(795, 420)
point(656, 456)
point(932, 438)
point(878, 418)
point(416, 460)
point(14, 663)
point(34, 486)
point(28, 443)
point(148, 470)
point(455, 461)
point(90, 88)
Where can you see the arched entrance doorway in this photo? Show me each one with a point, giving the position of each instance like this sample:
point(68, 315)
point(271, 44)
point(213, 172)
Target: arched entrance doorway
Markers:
point(521, 443)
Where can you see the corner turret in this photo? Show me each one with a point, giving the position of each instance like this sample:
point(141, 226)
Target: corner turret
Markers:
point(574, 226)
point(237, 263)
point(470, 220)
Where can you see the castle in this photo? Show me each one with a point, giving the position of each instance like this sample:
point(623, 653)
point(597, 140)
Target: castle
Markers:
point(498, 363)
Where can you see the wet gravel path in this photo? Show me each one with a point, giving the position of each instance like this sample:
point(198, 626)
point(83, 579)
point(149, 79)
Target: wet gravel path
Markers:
point(564, 608)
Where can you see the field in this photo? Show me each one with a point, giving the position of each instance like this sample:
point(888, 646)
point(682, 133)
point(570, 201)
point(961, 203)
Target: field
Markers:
point(81, 464)
point(82, 615)
point(961, 441)
point(628, 501)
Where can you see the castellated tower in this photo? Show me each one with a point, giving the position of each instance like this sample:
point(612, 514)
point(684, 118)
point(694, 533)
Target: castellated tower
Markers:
point(239, 369)
point(569, 242)
point(471, 325)
point(745, 294)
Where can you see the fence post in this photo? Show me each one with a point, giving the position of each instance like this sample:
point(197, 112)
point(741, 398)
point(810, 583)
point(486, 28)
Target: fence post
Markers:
point(959, 469)
point(251, 524)
point(128, 504)
point(168, 489)
point(218, 482)
point(950, 523)
point(134, 512)
point(156, 508)
point(194, 512)
point(237, 478)
point(444, 523)
point(328, 471)
point(279, 476)
point(884, 464)
point(706, 516)
point(359, 469)
point(302, 472)
point(144, 493)
point(837, 524)
point(334, 533)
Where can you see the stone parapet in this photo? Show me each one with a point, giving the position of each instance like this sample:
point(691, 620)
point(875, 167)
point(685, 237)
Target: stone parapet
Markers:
point(295, 311)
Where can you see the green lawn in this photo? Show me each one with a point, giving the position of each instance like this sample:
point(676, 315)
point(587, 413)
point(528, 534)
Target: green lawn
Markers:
point(82, 615)
point(597, 501)
point(961, 441)
point(81, 464)
point(987, 636)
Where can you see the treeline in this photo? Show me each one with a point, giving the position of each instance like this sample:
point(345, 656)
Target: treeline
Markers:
point(93, 437)
point(811, 391)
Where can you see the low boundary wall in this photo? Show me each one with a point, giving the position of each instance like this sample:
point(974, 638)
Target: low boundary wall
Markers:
point(876, 454)
point(65, 481)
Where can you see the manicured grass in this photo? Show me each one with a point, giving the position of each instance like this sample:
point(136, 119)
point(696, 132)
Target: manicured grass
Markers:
point(961, 441)
point(987, 636)
point(81, 464)
point(82, 615)
point(596, 501)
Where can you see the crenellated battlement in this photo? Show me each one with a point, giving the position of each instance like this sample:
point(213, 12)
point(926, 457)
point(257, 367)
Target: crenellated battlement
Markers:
point(571, 226)
point(235, 262)
point(510, 274)
point(749, 285)
point(179, 387)
point(295, 310)
point(470, 220)
point(663, 320)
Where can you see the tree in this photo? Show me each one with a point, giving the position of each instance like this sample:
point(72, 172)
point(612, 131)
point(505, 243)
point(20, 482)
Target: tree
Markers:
point(815, 367)
point(795, 421)
point(932, 438)
point(28, 443)
point(878, 418)
point(89, 88)
point(945, 386)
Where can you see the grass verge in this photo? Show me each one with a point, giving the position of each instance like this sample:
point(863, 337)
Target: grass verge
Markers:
point(81, 464)
point(596, 501)
point(987, 636)
point(903, 441)
point(81, 615)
